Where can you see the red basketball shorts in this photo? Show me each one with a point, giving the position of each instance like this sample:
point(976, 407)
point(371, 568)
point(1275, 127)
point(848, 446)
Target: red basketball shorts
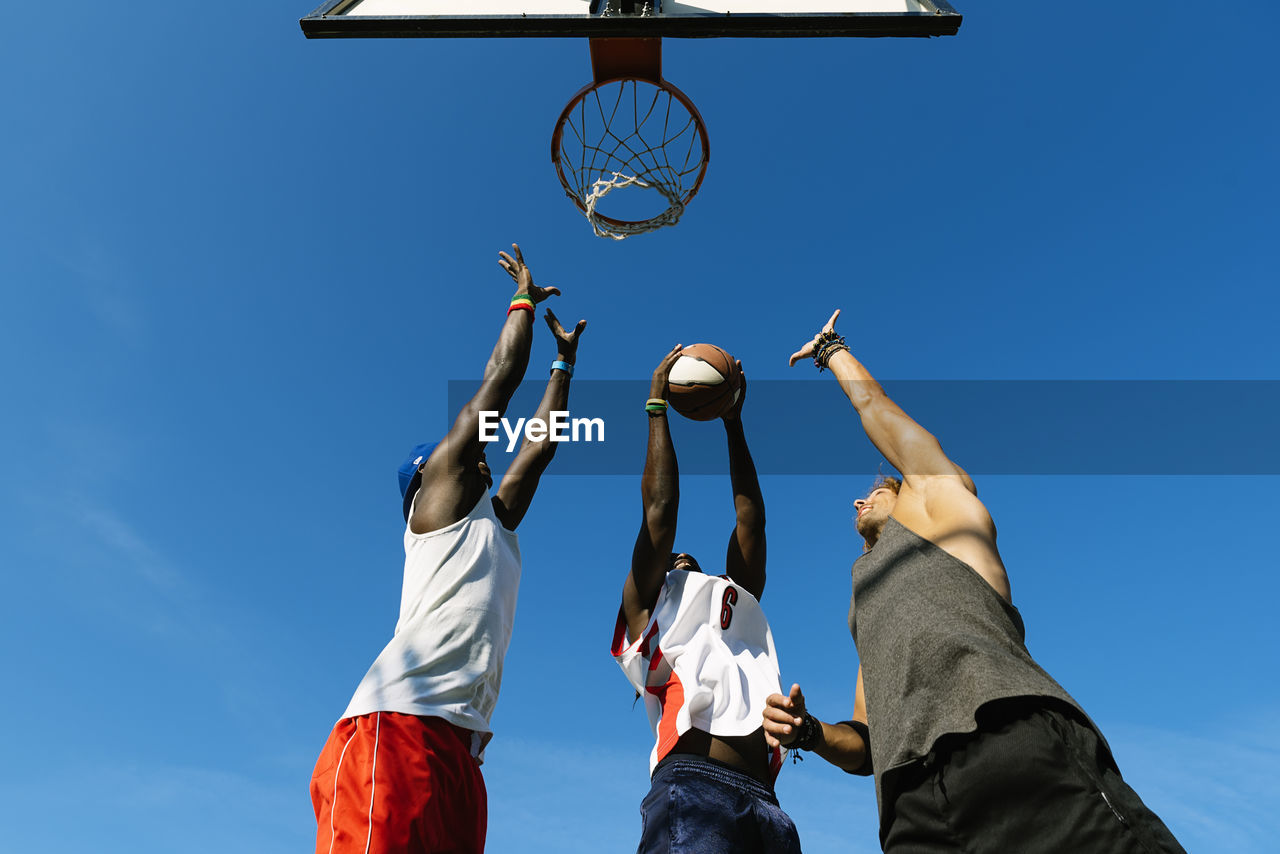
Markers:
point(388, 783)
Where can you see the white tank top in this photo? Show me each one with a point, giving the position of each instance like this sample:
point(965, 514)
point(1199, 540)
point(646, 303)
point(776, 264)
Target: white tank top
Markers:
point(457, 608)
point(706, 661)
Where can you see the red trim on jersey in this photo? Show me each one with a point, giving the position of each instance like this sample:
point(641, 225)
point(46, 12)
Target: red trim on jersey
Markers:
point(671, 698)
point(619, 635)
point(775, 764)
point(657, 659)
point(648, 639)
point(619, 645)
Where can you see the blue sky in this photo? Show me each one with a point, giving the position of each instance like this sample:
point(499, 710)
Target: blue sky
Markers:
point(240, 270)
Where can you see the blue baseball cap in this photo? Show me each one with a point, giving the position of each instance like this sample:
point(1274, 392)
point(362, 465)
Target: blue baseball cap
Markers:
point(410, 477)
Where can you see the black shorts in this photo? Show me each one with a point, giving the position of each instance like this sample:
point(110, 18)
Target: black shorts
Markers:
point(1035, 777)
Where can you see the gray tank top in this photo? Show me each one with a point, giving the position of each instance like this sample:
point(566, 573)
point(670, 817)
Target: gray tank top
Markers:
point(936, 643)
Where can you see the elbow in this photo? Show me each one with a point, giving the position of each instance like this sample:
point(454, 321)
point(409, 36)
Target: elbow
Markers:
point(660, 512)
point(751, 518)
point(506, 372)
point(867, 396)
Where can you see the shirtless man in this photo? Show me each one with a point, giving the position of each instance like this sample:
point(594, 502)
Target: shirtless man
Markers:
point(400, 773)
point(699, 650)
point(973, 746)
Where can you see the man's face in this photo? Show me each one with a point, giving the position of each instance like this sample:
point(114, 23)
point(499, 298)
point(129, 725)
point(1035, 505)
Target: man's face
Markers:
point(873, 511)
point(684, 561)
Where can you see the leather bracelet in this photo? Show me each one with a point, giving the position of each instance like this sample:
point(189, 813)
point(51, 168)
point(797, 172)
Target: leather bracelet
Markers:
point(808, 733)
point(828, 345)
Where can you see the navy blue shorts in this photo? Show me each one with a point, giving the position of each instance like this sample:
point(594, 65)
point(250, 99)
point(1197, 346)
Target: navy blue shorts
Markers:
point(699, 806)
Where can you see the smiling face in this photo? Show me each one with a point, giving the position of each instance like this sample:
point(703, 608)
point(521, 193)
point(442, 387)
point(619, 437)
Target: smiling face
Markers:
point(684, 561)
point(873, 511)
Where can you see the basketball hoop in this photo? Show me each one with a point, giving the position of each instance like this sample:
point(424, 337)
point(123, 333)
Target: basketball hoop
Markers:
point(630, 129)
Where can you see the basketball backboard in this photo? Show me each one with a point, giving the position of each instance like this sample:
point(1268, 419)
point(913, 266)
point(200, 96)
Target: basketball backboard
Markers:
point(629, 18)
point(630, 128)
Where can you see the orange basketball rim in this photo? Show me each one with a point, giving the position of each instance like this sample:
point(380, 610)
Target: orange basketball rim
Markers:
point(630, 129)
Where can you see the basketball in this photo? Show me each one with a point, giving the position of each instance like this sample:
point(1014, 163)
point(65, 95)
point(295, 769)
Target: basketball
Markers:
point(704, 382)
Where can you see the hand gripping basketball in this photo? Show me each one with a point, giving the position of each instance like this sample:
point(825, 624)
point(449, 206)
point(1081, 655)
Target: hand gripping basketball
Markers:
point(734, 412)
point(705, 382)
point(658, 387)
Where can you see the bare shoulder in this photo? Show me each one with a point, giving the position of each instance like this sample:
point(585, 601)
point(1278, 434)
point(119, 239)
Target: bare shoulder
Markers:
point(944, 510)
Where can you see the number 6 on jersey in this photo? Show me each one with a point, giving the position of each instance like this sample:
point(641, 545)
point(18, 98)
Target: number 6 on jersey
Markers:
point(726, 606)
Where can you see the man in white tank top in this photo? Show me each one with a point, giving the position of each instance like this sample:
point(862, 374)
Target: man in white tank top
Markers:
point(699, 650)
point(400, 772)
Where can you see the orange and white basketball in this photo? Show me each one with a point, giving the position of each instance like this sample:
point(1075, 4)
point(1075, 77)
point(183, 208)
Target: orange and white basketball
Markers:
point(704, 382)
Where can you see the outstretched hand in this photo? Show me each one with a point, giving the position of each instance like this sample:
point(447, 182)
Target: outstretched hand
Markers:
point(733, 413)
point(783, 717)
point(523, 276)
point(808, 350)
point(658, 388)
point(567, 342)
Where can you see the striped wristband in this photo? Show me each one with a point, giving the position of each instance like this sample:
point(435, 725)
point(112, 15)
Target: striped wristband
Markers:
point(520, 302)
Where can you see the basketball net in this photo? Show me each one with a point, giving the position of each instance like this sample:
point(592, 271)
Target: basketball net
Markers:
point(630, 130)
point(620, 230)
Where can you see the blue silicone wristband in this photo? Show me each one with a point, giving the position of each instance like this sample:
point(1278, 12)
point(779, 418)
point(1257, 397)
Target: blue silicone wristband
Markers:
point(564, 366)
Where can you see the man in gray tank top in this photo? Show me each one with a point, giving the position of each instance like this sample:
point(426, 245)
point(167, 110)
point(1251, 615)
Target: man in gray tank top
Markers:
point(974, 747)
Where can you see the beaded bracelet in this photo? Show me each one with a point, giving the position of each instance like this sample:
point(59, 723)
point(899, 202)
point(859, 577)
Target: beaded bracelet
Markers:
point(808, 733)
point(829, 343)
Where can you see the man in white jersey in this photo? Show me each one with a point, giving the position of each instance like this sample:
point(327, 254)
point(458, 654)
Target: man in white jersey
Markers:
point(698, 649)
point(400, 772)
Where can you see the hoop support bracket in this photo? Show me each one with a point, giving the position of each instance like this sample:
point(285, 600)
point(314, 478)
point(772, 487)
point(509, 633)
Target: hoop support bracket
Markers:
point(614, 58)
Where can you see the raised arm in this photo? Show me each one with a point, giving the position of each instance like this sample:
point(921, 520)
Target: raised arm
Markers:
point(845, 744)
point(660, 495)
point(515, 493)
point(938, 500)
point(745, 559)
point(453, 478)
point(907, 446)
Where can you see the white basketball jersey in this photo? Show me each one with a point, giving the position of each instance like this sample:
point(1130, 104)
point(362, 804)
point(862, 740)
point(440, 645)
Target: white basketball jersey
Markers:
point(705, 661)
point(457, 609)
